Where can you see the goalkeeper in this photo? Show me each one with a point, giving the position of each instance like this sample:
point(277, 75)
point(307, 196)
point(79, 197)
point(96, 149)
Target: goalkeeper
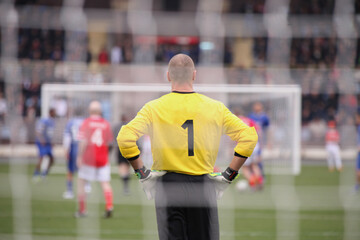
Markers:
point(185, 128)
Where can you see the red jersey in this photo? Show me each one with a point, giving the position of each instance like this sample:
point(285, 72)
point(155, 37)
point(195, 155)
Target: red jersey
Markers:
point(97, 134)
point(250, 123)
point(332, 135)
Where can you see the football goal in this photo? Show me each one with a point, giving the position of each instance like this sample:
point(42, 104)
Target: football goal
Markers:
point(281, 104)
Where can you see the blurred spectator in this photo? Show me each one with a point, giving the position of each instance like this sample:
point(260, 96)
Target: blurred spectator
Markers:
point(228, 54)
point(317, 129)
point(88, 56)
point(3, 108)
point(259, 51)
point(314, 52)
point(116, 54)
point(57, 3)
point(57, 54)
point(145, 53)
point(31, 91)
point(76, 46)
point(2, 82)
point(128, 50)
point(246, 6)
point(41, 44)
point(103, 57)
point(312, 7)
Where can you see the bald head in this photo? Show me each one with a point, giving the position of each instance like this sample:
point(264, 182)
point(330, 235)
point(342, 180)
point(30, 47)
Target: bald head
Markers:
point(181, 69)
point(95, 108)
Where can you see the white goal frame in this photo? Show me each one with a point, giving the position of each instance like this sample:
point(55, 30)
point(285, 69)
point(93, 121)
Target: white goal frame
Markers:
point(293, 90)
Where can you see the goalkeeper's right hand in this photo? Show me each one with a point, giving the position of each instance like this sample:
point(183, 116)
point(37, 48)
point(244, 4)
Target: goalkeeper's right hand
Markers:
point(223, 180)
point(148, 180)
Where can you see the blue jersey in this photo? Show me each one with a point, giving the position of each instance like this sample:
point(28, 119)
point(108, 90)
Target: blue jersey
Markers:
point(45, 130)
point(261, 120)
point(71, 131)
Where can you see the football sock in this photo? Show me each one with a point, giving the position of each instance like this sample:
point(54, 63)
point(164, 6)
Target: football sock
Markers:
point(69, 186)
point(44, 173)
point(261, 166)
point(260, 180)
point(252, 180)
point(108, 199)
point(36, 173)
point(126, 181)
point(82, 205)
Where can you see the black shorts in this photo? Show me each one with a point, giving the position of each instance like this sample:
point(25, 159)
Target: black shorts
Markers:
point(186, 208)
point(121, 159)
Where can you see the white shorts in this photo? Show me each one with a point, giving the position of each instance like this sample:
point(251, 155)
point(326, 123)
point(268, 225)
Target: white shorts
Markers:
point(91, 173)
point(254, 156)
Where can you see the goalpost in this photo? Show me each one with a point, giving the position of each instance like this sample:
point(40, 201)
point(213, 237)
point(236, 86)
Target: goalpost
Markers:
point(282, 103)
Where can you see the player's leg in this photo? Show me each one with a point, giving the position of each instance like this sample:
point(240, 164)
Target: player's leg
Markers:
point(108, 195)
point(37, 170)
point(329, 158)
point(357, 185)
point(48, 152)
point(86, 173)
point(103, 176)
point(81, 195)
point(248, 174)
point(202, 214)
point(71, 169)
point(203, 223)
point(38, 166)
point(258, 176)
point(184, 209)
point(124, 172)
point(170, 216)
point(51, 160)
point(69, 194)
point(261, 167)
point(256, 155)
point(337, 158)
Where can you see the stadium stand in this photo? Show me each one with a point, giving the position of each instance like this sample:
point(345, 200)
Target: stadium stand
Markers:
point(319, 56)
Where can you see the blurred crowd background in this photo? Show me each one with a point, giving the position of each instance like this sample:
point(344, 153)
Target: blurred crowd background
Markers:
point(314, 44)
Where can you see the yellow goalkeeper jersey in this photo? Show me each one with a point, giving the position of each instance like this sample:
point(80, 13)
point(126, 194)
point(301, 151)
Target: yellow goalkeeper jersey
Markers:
point(185, 131)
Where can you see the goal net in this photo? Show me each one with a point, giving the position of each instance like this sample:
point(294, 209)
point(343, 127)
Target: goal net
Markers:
point(281, 103)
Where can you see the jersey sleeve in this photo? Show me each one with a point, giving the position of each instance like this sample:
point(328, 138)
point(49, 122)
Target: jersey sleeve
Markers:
point(83, 132)
point(245, 136)
point(67, 136)
point(40, 126)
point(266, 121)
point(131, 132)
point(109, 135)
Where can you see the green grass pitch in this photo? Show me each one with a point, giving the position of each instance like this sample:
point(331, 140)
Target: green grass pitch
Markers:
point(314, 205)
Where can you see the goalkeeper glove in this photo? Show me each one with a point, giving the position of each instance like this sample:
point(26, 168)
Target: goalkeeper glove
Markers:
point(222, 180)
point(148, 180)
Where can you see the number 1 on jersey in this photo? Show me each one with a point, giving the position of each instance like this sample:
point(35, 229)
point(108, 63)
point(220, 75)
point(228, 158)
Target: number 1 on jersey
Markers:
point(189, 124)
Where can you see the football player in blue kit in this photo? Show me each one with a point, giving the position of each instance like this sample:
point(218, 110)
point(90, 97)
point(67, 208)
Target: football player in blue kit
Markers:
point(44, 141)
point(357, 184)
point(260, 117)
point(70, 142)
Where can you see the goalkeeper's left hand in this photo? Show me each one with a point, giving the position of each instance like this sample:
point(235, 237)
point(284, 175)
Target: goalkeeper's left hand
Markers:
point(223, 180)
point(148, 180)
